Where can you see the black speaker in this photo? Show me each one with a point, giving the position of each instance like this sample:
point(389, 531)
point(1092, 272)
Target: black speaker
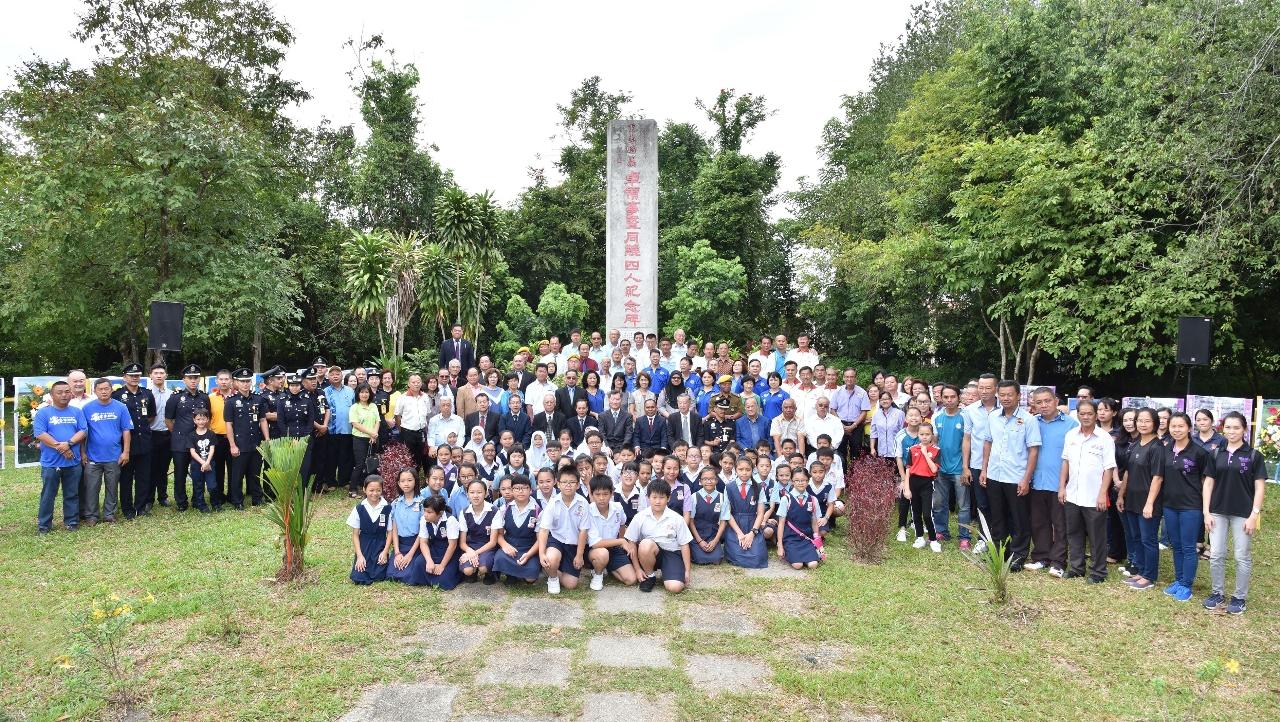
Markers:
point(1195, 337)
point(165, 330)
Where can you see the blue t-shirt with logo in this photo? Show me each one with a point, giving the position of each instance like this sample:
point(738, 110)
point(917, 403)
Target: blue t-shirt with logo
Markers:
point(61, 424)
point(950, 433)
point(107, 423)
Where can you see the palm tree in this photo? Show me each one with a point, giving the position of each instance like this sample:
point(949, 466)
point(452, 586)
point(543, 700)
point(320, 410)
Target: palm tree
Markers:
point(404, 267)
point(366, 279)
point(469, 229)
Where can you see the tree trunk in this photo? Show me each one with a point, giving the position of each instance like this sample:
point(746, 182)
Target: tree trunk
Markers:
point(257, 345)
point(1031, 363)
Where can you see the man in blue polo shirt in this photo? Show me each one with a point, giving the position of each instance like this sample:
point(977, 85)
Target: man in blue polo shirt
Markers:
point(976, 415)
point(1048, 517)
point(107, 447)
point(59, 427)
point(1011, 445)
point(948, 427)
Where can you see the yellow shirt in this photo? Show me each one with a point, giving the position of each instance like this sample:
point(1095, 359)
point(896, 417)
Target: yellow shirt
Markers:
point(216, 423)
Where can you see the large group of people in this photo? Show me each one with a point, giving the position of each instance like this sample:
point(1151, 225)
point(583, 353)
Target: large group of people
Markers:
point(649, 456)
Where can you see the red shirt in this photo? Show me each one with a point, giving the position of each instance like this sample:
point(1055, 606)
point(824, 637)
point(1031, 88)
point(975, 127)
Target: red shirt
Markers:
point(918, 466)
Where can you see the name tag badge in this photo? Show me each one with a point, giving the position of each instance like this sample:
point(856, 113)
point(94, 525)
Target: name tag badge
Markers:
point(717, 507)
point(382, 521)
point(533, 523)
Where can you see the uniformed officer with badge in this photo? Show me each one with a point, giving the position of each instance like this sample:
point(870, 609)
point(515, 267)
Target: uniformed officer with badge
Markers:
point(317, 450)
point(136, 474)
point(293, 410)
point(273, 391)
point(179, 416)
point(245, 413)
point(734, 401)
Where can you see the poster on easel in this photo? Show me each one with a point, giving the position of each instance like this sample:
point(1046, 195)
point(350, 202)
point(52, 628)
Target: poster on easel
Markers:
point(28, 395)
point(1266, 433)
point(1220, 406)
point(1154, 402)
point(1024, 394)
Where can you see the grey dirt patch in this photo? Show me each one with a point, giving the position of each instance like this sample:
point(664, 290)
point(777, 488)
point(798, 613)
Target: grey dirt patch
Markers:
point(625, 707)
point(520, 666)
point(720, 620)
point(620, 651)
point(551, 612)
point(713, 673)
point(776, 570)
point(420, 702)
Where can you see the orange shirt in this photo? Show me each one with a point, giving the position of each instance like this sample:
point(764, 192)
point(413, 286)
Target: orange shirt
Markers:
point(216, 423)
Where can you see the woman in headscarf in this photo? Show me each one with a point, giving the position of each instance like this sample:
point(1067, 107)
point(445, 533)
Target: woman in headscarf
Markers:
point(667, 399)
point(476, 441)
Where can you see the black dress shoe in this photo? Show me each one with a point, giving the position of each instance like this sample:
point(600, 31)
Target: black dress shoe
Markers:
point(490, 578)
point(182, 506)
point(239, 507)
point(164, 502)
point(1071, 575)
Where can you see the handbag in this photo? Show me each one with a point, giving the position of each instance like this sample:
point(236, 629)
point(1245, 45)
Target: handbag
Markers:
point(371, 463)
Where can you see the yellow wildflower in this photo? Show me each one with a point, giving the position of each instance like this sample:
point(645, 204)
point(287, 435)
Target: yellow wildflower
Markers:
point(125, 609)
point(99, 614)
point(1232, 666)
point(149, 599)
point(114, 597)
point(63, 662)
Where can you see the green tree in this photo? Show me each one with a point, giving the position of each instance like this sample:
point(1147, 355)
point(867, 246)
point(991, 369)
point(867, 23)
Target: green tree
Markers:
point(711, 292)
point(560, 311)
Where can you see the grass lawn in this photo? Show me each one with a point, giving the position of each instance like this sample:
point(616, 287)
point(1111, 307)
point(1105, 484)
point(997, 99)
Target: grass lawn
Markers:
point(912, 639)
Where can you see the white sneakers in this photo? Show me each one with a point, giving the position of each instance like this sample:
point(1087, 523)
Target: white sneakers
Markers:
point(597, 581)
point(1033, 566)
point(553, 585)
point(980, 548)
point(1054, 571)
point(919, 543)
point(902, 534)
point(935, 546)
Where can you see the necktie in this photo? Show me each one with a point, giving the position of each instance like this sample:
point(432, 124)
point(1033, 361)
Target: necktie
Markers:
point(482, 421)
point(457, 350)
point(708, 498)
point(743, 486)
point(685, 422)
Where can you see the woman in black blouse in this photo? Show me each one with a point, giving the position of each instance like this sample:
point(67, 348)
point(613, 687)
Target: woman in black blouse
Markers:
point(1233, 497)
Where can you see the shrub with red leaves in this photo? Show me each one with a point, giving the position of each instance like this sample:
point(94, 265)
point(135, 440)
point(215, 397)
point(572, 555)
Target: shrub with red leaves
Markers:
point(869, 503)
point(395, 459)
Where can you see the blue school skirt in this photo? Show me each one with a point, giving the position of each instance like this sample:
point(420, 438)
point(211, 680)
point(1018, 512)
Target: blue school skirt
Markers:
point(799, 549)
point(504, 563)
point(757, 557)
point(416, 573)
point(451, 576)
point(485, 560)
point(373, 571)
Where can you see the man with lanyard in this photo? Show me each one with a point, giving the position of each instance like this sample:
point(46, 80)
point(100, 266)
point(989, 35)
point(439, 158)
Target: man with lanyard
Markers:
point(1010, 447)
point(948, 429)
point(135, 475)
point(161, 455)
point(851, 404)
point(1048, 520)
point(179, 416)
point(245, 416)
point(975, 426)
point(221, 451)
point(315, 459)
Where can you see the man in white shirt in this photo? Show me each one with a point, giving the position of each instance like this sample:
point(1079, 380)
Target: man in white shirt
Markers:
point(600, 352)
point(822, 421)
point(541, 386)
point(679, 349)
point(765, 355)
point(1088, 464)
point(443, 424)
point(802, 354)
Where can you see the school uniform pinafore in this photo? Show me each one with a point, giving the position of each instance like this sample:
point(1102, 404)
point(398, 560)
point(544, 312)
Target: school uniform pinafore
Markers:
point(743, 511)
point(821, 497)
point(478, 534)
point(522, 537)
point(706, 519)
point(798, 544)
point(373, 538)
point(415, 574)
point(679, 495)
point(437, 539)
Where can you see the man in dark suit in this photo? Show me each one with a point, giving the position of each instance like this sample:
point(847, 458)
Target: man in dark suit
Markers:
point(683, 420)
point(521, 373)
point(483, 418)
point(616, 424)
point(567, 398)
point(515, 420)
point(581, 420)
point(549, 420)
point(651, 429)
point(457, 348)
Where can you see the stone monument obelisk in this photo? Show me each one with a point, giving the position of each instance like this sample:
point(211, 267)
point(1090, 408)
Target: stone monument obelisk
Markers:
point(631, 236)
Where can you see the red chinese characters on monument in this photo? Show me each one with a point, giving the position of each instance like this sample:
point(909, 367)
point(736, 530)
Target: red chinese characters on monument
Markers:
point(631, 249)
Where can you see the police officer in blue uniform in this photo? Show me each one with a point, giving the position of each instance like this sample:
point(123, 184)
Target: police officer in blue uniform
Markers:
point(135, 476)
point(293, 410)
point(273, 391)
point(317, 450)
point(179, 416)
point(245, 413)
